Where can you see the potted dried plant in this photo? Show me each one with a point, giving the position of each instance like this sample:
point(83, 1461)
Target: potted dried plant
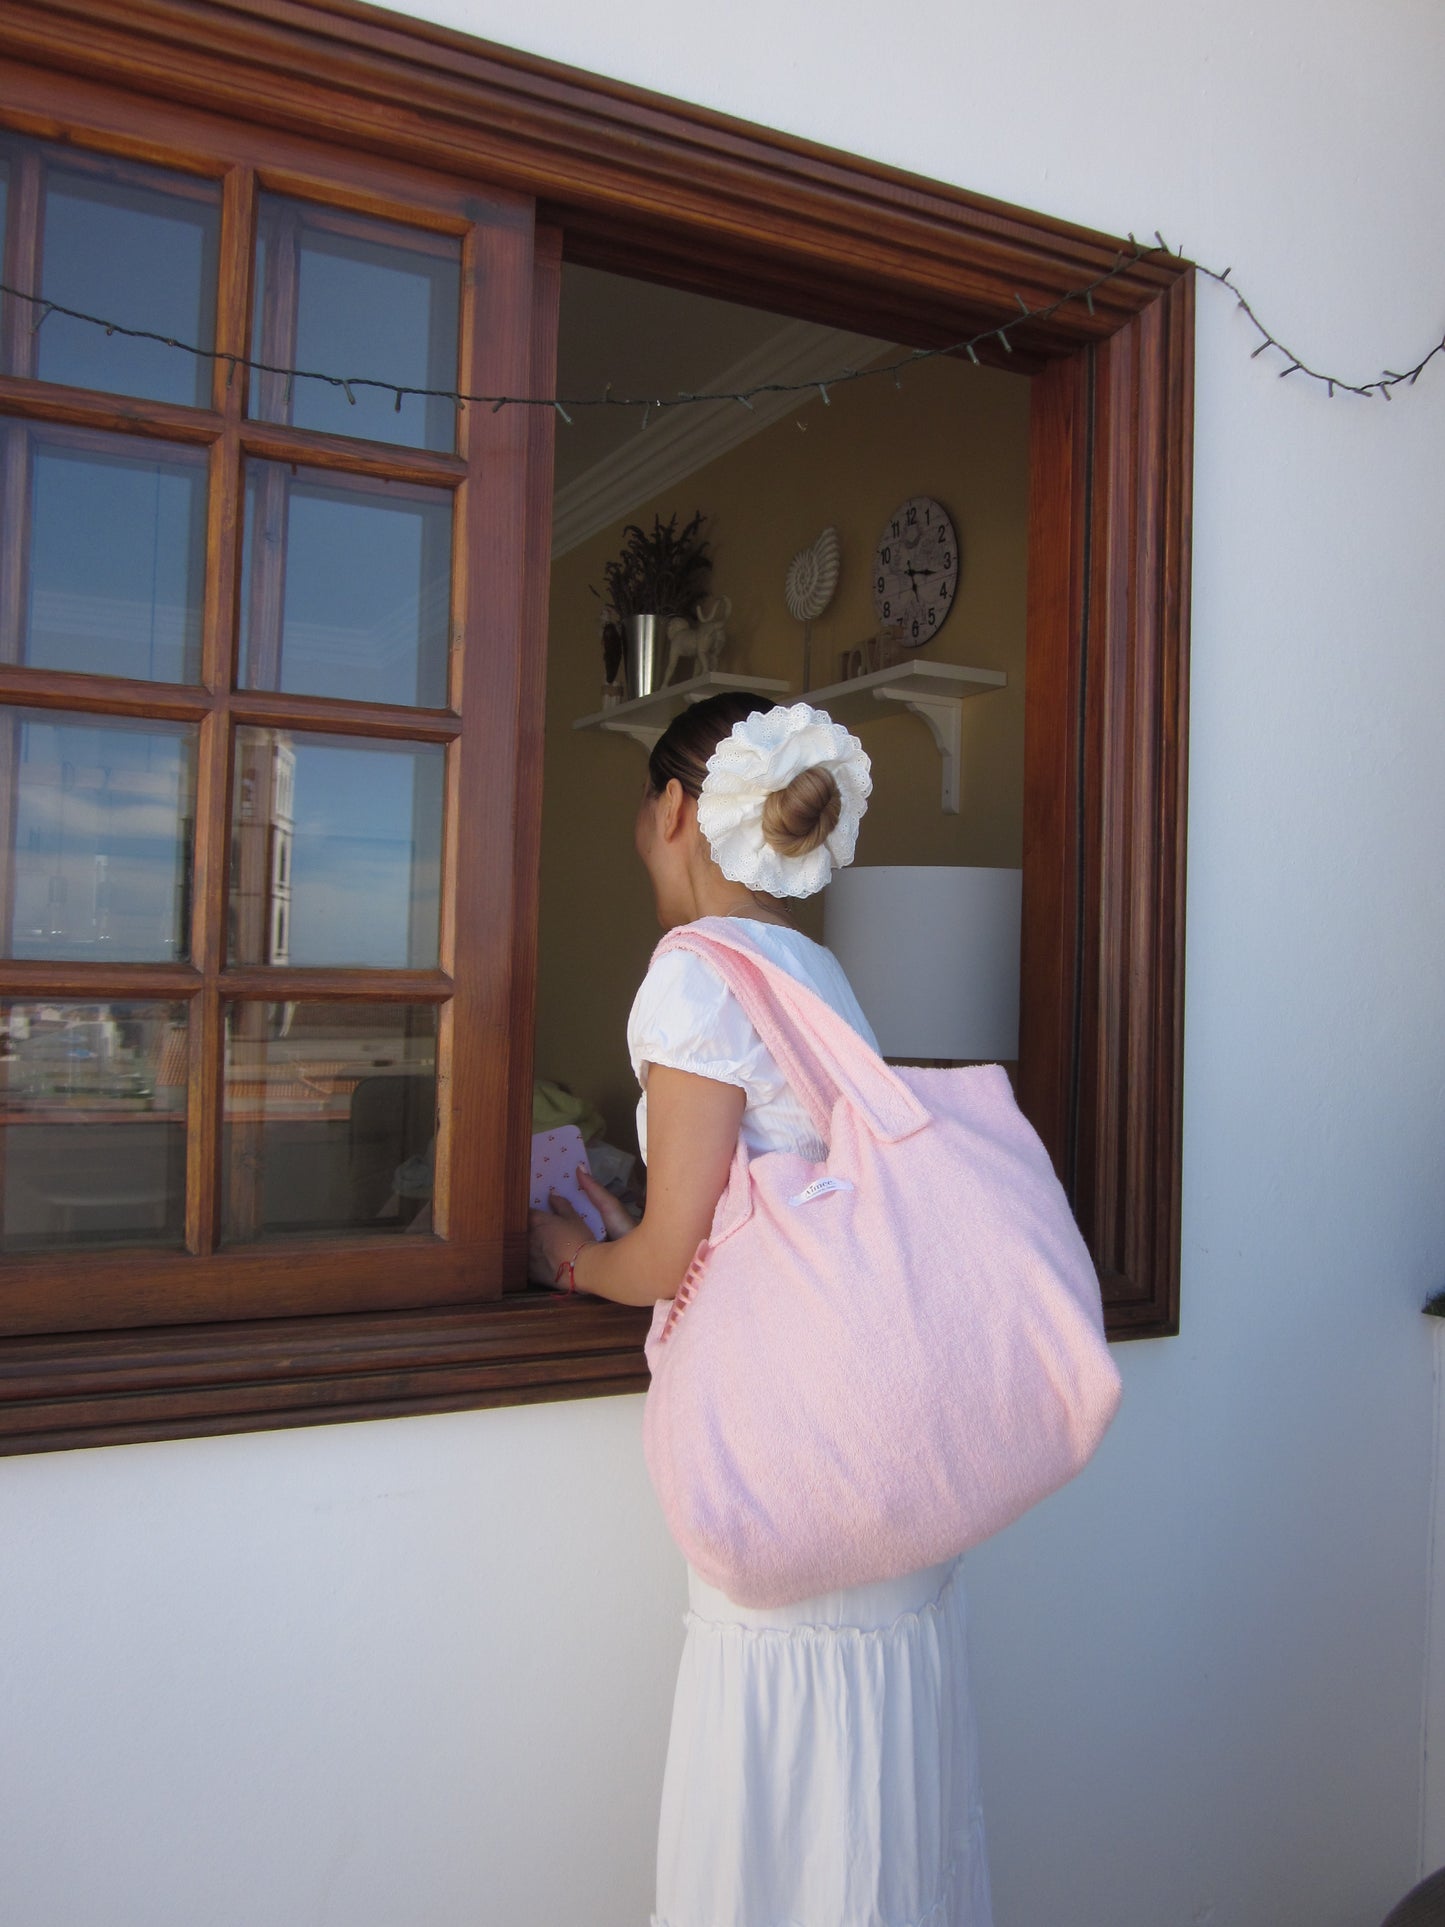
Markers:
point(658, 575)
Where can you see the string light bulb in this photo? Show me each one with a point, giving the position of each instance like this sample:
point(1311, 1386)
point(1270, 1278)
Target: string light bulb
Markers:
point(398, 391)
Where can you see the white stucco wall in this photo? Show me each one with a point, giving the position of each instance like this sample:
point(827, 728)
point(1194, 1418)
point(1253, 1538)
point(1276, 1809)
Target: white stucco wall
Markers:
point(419, 1672)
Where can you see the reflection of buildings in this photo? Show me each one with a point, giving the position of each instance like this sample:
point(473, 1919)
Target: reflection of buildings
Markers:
point(92, 1125)
point(283, 823)
point(74, 1056)
point(260, 898)
point(59, 1047)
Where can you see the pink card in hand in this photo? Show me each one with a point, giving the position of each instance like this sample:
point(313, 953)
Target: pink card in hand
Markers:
point(555, 1157)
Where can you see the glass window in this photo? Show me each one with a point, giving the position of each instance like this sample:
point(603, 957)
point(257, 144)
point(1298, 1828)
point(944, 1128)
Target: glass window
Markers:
point(92, 1124)
point(345, 587)
point(330, 1118)
point(102, 830)
point(336, 851)
point(115, 575)
point(138, 246)
point(347, 297)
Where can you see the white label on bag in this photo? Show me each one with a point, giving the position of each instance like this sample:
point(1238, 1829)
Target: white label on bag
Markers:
point(819, 1188)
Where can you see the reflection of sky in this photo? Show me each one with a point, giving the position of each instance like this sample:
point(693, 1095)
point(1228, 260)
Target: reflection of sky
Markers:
point(101, 826)
point(136, 256)
point(116, 560)
point(367, 594)
point(360, 816)
point(388, 313)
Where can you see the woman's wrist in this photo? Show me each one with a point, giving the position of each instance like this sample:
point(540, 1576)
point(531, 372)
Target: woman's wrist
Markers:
point(568, 1267)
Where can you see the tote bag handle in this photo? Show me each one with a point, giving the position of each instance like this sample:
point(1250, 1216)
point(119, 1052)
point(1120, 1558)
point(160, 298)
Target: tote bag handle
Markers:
point(819, 1053)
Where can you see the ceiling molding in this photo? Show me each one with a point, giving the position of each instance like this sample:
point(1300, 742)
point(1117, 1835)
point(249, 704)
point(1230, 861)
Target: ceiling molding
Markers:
point(683, 440)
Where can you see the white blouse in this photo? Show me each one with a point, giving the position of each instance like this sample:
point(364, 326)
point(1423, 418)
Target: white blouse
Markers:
point(685, 1017)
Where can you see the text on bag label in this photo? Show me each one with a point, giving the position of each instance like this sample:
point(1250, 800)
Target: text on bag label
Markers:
point(819, 1188)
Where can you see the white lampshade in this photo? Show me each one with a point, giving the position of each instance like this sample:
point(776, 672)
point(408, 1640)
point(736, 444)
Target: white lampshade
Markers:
point(933, 955)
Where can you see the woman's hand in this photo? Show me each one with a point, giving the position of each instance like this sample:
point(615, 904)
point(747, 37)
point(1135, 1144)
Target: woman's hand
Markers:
point(692, 1135)
point(553, 1237)
point(556, 1235)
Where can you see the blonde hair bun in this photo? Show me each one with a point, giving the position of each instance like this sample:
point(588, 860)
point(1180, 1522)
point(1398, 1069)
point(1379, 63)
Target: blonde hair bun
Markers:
point(803, 814)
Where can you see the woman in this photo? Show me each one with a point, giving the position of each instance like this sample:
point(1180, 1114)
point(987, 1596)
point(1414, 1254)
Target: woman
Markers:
point(822, 1769)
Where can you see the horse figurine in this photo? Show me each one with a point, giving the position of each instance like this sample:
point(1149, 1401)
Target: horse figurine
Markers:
point(702, 641)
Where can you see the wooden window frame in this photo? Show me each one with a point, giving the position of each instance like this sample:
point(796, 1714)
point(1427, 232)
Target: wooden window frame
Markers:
point(628, 181)
point(484, 476)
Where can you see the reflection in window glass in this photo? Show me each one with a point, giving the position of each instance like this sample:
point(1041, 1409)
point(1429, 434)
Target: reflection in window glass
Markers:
point(103, 827)
point(138, 246)
point(335, 851)
point(346, 296)
point(330, 1117)
point(92, 1124)
point(116, 574)
point(345, 588)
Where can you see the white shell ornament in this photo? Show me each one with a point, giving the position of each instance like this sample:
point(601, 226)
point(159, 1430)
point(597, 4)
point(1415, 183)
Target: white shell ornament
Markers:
point(812, 577)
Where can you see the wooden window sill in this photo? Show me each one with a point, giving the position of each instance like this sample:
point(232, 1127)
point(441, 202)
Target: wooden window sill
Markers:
point(171, 1382)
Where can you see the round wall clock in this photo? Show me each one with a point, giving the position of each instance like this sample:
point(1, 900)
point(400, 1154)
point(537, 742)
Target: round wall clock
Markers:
point(915, 570)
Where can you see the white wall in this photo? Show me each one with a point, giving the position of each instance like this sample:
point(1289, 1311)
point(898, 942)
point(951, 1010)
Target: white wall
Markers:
point(419, 1672)
point(404, 1675)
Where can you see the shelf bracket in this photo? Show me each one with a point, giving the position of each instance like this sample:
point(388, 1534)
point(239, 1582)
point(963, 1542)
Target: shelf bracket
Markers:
point(943, 718)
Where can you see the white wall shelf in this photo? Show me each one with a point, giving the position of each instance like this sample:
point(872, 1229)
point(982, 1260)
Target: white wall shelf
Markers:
point(644, 718)
point(935, 692)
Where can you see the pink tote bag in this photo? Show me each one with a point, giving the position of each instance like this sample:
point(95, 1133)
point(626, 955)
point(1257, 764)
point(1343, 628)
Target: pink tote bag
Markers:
point(876, 1361)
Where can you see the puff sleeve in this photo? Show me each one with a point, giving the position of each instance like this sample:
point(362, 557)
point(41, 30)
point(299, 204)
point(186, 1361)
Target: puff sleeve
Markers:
point(685, 1017)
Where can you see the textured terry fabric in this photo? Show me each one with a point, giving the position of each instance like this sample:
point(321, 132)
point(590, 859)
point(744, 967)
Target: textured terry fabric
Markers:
point(685, 1017)
point(874, 1362)
point(823, 1766)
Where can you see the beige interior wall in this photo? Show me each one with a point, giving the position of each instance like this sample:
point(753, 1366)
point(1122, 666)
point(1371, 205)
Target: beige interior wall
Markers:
point(953, 431)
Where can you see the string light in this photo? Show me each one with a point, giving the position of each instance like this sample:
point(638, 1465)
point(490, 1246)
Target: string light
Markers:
point(400, 391)
point(1381, 385)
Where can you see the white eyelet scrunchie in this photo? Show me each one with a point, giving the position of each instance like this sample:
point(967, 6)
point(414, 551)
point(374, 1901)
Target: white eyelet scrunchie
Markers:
point(764, 752)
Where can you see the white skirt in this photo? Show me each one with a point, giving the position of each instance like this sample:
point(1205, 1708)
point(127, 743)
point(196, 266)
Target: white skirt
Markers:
point(823, 1764)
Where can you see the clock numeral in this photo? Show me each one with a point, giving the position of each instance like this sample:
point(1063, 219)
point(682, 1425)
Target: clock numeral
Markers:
point(915, 632)
point(943, 592)
point(928, 518)
point(912, 517)
point(894, 527)
point(947, 558)
point(882, 585)
point(930, 618)
point(887, 610)
point(888, 555)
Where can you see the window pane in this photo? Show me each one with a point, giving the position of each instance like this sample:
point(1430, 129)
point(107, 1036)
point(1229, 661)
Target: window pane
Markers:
point(348, 297)
point(336, 851)
point(138, 246)
point(104, 816)
point(92, 1124)
point(330, 1115)
point(346, 588)
point(117, 555)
